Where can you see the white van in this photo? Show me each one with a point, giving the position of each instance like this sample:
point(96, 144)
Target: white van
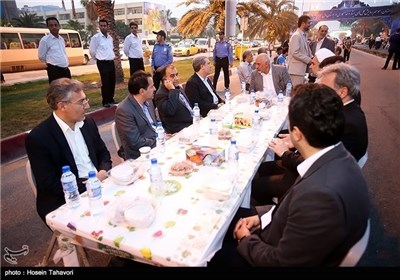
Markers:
point(204, 44)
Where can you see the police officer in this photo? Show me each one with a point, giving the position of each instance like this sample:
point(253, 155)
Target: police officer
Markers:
point(161, 57)
point(223, 58)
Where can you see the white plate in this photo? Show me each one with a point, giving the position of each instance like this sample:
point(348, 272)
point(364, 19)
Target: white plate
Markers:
point(138, 169)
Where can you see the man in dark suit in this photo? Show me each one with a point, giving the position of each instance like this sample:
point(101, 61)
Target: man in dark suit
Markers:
point(323, 214)
point(322, 42)
point(135, 116)
point(199, 89)
point(273, 179)
point(172, 103)
point(394, 48)
point(67, 137)
point(268, 77)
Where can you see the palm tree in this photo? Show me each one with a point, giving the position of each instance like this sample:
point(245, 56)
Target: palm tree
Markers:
point(105, 10)
point(194, 22)
point(29, 20)
point(362, 25)
point(91, 13)
point(268, 19)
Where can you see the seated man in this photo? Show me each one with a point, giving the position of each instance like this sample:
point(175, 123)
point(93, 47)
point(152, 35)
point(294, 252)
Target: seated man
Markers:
point(199, 88)
point(67, 137)
point(245, 68)
point(172, 103)
point(135, 116)
point(324, 213)
point(274, 178)
point(268, 77)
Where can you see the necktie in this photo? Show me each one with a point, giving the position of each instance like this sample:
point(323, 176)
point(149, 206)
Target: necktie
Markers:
point(147, 113)
point(185, 102)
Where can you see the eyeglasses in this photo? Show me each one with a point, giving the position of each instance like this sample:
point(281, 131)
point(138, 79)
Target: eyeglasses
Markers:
point(81, 102)
point(173, 75)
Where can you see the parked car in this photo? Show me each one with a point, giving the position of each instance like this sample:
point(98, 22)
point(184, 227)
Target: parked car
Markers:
point(146, 51)
point(186, 49)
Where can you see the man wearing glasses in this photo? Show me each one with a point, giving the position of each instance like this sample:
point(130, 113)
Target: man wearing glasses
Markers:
point(172, 103)
point(133, 49)
point(67, 137)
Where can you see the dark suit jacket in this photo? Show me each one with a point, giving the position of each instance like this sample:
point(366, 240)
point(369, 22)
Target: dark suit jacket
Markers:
point(134, 129)
point(355, 135)
point(197, 92)
point(327, 44)
point(280, 77)
point(48, 151)
point(173, 113)
point(319, 219)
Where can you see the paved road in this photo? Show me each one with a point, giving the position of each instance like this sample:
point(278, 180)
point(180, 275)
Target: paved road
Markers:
point(20, 224)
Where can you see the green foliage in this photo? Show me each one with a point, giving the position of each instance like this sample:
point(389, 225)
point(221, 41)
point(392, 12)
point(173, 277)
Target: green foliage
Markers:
point(122, 29)
point(29, 20)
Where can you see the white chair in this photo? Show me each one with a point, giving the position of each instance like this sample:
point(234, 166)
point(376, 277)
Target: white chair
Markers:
point(116, 139)
point(46, 258)
point(363, 160)
point(358, 249)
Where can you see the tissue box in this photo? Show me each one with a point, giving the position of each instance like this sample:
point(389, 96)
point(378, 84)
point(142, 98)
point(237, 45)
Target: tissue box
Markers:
point(206, 155)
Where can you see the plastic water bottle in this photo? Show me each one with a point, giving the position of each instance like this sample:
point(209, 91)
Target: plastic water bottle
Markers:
point(160, 137)
point(70, 187)
point(213, 127)
point(156, 179)
point(256, 121)
point(93, 187)
point(233, 161)
point(288, 89)
point(280, 96)
point(252, 97)
point(243, 87)
point(228, 98)
point(196, 114)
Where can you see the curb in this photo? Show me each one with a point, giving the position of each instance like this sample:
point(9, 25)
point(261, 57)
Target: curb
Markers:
point(13, 147)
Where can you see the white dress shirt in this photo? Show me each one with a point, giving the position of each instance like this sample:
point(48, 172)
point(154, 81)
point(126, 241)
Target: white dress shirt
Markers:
point(133, 46)
point(78, 146)
point(101, 47)
point(52, 51)
point(268, 83)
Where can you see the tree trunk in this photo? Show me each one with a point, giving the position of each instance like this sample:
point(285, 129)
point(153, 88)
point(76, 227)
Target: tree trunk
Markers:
point(105, 10)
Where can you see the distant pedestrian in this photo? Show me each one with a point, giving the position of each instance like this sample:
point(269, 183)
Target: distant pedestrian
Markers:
point(161, 57)
point(394, 48)
point(102, 49)
point(346, 48)
point(133, 49)
point(52, 52)
point(223, 58)
point(338, 50)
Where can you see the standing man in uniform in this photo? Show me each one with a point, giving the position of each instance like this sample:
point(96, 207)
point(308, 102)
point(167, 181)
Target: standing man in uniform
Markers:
point(102, 49)
point(299, 57)
point(133, 49)
point(161, 57)
point(223, 58)
point(52, 52)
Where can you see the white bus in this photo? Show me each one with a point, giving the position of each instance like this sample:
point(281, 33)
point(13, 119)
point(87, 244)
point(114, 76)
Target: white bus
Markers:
point(19, 48)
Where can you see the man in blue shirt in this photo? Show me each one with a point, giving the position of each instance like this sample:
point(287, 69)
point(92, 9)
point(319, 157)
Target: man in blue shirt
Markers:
point(161, 57)
point(223, 58)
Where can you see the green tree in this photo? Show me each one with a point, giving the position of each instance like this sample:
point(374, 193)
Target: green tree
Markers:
point(123, 30)
point(268, 19)
point(73, 24)
point(29, 20)
point(91, 13)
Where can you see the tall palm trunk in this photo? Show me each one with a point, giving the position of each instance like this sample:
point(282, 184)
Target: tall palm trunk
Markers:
point(105, 10)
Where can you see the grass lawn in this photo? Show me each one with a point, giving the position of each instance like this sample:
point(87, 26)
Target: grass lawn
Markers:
point(23, 106)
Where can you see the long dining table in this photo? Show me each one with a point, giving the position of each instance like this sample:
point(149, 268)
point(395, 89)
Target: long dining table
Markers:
point(189, 224)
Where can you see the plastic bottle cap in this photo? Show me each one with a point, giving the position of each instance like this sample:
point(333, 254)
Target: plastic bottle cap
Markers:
point(92, 174)
point(233, 142)
point(66, 168)
point(196, 104)
point(153, 161)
